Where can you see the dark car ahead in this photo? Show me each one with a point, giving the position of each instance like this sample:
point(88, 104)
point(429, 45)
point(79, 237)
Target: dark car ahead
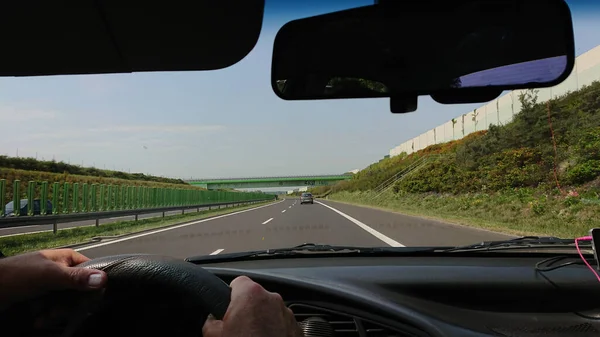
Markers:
point(37, 209)
point(306, 198)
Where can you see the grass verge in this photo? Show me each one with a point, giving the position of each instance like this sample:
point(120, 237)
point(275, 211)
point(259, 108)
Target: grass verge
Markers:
point(520, 212)
point(18, 244)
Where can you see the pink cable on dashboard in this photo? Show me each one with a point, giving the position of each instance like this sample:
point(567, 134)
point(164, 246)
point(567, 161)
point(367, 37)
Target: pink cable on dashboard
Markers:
point(586, 238)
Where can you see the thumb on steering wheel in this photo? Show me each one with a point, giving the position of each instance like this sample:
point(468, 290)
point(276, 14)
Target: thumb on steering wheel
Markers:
point(83, 278)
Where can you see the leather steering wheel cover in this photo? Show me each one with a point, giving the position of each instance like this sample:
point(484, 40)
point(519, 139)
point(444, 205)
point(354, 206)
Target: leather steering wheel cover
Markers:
point(183, 279)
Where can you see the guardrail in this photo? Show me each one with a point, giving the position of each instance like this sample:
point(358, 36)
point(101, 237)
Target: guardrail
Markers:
point(69, 203)
point(65, 218)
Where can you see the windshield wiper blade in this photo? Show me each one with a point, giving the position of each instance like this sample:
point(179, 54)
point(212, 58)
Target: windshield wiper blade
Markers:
point(524, 241)
point(314, 248)
point(321, 248)
point(299, 249)
point(311, 248)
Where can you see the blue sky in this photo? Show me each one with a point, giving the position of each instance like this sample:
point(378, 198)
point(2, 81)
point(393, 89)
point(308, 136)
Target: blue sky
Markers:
point(216, 124)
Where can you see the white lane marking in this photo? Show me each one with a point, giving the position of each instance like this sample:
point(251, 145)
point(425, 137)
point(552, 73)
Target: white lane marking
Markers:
point(15, 234)
point(290, 207)
point(36, 232)
point(283, 211)
point(266, 222)
point(70, 227)
point(368, 229)
point(171, 228)
point(217, 251)
point(8, 228)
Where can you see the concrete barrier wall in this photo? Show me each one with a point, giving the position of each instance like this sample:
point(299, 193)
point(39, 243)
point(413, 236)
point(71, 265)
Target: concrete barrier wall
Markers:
point(501, 110)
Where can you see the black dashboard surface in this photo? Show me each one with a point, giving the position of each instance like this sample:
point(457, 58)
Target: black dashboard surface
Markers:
point(431, 296)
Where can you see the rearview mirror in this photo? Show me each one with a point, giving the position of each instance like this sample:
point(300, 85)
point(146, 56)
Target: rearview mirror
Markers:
point(461, 51)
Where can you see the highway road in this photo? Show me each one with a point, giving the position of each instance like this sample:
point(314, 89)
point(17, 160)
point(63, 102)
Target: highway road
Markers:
point(287, 223)
point(48, 228)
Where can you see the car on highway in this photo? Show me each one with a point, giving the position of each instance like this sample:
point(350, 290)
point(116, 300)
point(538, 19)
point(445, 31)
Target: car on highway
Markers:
point(306, 198)
point(9, 208)
point(481, 222)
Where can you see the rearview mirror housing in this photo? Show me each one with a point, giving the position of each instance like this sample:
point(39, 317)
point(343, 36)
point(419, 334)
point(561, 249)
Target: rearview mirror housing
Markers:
point(475, 50)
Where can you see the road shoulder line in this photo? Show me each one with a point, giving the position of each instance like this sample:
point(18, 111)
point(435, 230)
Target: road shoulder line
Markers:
point(365, 227)
point(439, 220)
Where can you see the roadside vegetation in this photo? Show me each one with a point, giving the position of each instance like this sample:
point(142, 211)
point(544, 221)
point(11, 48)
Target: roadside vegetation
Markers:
point(10, 175)
point(16, 244)
point(24, 168)
point(539, 174)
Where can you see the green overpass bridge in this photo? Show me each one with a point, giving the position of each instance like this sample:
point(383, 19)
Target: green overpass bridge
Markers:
point(264, 182)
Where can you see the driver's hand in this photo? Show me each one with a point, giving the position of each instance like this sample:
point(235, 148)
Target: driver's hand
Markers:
point(27, 276)
point(253, 311)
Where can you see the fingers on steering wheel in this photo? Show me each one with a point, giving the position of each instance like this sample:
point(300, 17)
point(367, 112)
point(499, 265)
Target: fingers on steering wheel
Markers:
point(78, 258)
point(67, 257)
point(240, 282)
point(242, 287)
point(212, 327)
point(276, 297)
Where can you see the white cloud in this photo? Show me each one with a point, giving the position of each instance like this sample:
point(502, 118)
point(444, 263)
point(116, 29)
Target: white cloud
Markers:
point(13, 114)
point(89, 144)
point(102, 85)
point(159, 128)
point(133, 131)
point(63, 134)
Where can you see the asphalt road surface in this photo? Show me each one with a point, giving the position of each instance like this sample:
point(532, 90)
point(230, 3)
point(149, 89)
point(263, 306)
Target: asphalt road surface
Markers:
point(48, 228)
point(287, 223)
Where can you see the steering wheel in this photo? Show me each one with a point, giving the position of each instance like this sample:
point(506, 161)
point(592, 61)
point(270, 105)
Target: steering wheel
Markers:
point(146, 295)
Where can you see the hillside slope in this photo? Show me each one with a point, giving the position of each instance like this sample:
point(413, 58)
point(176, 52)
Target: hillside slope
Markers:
point(545, 163)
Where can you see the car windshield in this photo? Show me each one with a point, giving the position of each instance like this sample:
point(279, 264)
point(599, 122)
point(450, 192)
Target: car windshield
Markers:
point(209, 162)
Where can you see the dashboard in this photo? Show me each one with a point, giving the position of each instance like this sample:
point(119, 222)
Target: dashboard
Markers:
point(495, 295)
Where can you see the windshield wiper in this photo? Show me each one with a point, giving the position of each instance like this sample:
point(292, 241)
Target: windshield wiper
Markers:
point(524, 241)
point(306, 249)
point(320, 248)
point(311, 248)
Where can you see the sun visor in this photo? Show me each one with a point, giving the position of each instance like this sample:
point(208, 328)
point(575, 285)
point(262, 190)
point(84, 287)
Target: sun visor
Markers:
point(41, 37)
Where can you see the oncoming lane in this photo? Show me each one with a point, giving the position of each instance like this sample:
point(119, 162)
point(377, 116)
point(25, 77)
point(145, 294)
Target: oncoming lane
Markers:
point(48, 228)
